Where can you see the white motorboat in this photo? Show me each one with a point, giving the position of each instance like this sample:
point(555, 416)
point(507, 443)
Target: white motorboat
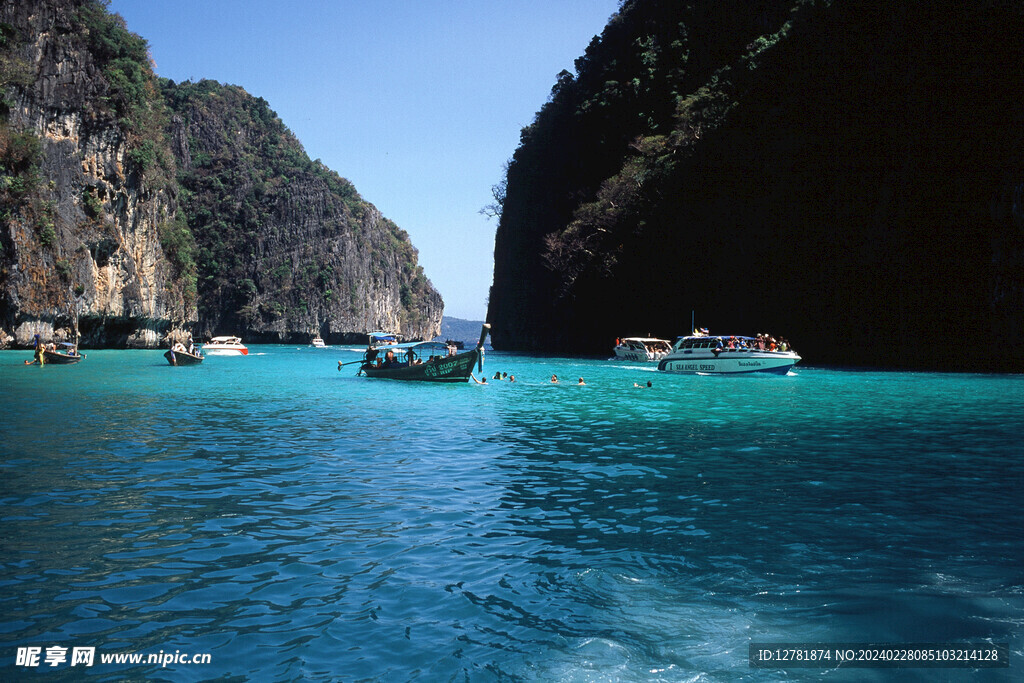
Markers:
point(318, 342)
point(225, 346)
point(726, 355)
point(642, 349)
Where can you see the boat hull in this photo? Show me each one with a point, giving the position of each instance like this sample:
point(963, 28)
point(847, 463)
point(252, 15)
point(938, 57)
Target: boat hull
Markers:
point(54, 358)
point(729, 363)
point(221, 351)
point(179, 358)
point(455, 368)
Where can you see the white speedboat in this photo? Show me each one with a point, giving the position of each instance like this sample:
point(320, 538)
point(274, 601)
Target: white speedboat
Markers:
point(642, 349)
point(318, 342)
point(729, 355)
point(225, 346)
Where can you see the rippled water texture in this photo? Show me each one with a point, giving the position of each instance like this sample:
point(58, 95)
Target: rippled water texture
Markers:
point(296, 522)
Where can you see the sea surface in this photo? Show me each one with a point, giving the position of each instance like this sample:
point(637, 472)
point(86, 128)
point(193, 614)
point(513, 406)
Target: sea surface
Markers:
point(297, 522)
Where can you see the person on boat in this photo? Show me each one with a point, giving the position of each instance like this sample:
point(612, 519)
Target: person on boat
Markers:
point(389, 359)
point(37, 352)
point(178, 348)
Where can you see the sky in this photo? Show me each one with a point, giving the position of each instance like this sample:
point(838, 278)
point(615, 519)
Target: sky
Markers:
point(419, 103)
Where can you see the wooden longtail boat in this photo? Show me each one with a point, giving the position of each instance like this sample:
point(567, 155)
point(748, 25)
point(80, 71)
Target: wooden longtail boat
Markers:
point(421, 361)
point(178, 358)
point(69, 356)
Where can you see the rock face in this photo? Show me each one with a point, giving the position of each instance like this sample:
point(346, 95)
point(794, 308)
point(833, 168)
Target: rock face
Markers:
point(848, 175)
point(286, 248)
point(81, 219)
point(140, 218)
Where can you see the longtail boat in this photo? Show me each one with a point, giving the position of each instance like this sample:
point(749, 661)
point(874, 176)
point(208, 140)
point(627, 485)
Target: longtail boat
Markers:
point(421, 361)
point(69, 356)
point(179, 357)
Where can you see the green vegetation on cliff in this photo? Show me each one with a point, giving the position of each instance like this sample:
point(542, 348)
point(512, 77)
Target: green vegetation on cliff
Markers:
point(19, 150)
point(134, 95)
point(658, 78)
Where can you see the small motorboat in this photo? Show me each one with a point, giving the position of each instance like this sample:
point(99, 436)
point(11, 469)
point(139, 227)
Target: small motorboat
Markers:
point(729, 355)
point(225, 346)
point(642, 349)
point(318, 342)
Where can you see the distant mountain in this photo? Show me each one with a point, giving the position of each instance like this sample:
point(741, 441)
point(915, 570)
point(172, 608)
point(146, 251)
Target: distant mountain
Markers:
point(847, 174)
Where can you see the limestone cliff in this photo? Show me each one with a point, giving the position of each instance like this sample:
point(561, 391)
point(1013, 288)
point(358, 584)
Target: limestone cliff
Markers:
point(143, 209)
point(82, 214)
point(286, 248)
point(847, 174)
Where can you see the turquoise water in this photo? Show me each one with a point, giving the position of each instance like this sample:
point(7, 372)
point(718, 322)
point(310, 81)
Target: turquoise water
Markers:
point(297, 522)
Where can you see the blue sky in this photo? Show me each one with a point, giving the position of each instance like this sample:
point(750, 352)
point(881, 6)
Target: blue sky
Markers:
point(418, 102)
